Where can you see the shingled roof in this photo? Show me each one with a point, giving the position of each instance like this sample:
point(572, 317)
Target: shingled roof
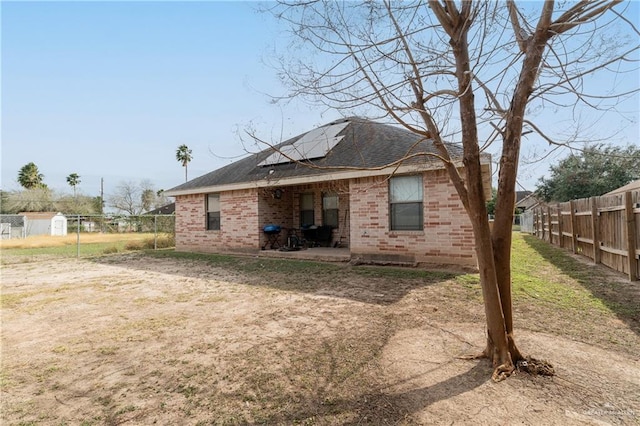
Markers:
point(365, 145)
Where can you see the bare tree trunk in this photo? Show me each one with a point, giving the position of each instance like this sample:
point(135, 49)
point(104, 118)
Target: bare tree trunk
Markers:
point(506, 197)
point(498, 347)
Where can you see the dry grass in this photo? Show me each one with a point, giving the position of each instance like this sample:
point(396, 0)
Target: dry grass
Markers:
point(170, 338)
point(34, 249)
point(41, 241)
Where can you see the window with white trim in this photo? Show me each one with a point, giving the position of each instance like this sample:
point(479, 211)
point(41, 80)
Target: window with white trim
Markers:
point(330, 209)
point(213, 212)
point(307, 217)
point(405, 203)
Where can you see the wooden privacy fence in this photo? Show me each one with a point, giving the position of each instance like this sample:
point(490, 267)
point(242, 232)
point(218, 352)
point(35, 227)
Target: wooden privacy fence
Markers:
point(606, 229)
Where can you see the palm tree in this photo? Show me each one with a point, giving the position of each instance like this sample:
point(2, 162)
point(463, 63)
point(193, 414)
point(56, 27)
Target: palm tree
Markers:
point(30, 177)
point(183, 155)
point(73, 180)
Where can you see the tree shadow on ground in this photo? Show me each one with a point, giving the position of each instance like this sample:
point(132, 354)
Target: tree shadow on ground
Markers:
point(620, 296)
point(367, 284)
point(386, 408)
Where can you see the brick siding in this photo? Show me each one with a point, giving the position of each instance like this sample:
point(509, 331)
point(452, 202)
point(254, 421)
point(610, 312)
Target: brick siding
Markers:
point(239, 227)
point(447, 237)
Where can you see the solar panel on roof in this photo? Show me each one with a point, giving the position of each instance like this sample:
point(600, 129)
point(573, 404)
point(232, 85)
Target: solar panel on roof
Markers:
point(314, 144)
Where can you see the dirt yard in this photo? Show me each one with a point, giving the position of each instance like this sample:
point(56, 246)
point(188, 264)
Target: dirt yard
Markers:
point(140, 339)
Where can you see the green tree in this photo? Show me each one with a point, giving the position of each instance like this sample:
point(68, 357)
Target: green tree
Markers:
point(491, 204)
point(97, 204)
point(184, 157)
point(37, 199)
point(470, 72)
point(29, 176)
point(80, 204)
point(593, 171)
point(4, 199)
point(73, 180)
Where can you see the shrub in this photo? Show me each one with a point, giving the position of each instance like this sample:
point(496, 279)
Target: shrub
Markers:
point(164, 241)
point(110, 250)
point(136, 245)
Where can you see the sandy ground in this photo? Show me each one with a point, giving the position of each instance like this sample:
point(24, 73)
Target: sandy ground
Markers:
point(141, 340)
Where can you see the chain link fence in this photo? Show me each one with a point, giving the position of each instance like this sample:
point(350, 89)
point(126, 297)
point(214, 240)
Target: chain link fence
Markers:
point(88, 228)
point(109, 224)
point(162, 227)
point(84, 235)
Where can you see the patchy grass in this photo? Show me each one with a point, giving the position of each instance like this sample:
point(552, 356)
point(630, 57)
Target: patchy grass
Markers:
point(178, 338)
point(540, 281)
point(253, 264)
point(402, 273)
point(573, 282)
point(91, 244)
point(306, 267)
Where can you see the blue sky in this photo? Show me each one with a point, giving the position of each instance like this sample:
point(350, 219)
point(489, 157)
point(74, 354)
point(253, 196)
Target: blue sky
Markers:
point(111, 89)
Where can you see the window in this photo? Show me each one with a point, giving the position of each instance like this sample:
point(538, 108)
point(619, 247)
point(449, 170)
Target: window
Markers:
point(405, 201)
point(330, 210)
point(307, 217)
point(213, 212)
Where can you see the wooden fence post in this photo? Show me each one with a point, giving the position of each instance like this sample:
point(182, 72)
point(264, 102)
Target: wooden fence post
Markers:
point(574, 236)
point(550, 225)
point(631, 236)
point(595, 229)
point(560, 236)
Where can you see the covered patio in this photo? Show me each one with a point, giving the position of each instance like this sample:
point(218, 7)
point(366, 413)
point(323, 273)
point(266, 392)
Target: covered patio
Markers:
point(315, 214)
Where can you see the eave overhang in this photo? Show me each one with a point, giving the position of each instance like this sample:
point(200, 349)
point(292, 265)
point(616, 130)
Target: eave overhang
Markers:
point(271, 179)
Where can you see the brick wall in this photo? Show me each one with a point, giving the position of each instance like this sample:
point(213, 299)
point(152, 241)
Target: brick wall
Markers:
point(276, 211)
point(342, 189)
point(239, 227)
point(447, 237)
point(243, 216)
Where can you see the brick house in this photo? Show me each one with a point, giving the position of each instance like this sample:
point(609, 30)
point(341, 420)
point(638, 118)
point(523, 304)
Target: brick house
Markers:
point(370, 187)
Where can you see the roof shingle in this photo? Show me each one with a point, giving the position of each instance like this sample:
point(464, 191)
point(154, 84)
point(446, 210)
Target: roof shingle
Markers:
point(366, 144)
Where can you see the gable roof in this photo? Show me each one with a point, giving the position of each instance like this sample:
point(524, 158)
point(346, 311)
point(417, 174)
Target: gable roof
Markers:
point(166, 209)
point(520, 195)
point(363, 145)
point(528, 201)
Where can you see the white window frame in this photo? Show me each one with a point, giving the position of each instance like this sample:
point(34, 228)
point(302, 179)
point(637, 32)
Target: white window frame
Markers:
point(213, 217)
point(406, 198)
point(329, 209)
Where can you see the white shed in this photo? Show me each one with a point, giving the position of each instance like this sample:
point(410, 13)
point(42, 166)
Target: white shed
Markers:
point(45, 223)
